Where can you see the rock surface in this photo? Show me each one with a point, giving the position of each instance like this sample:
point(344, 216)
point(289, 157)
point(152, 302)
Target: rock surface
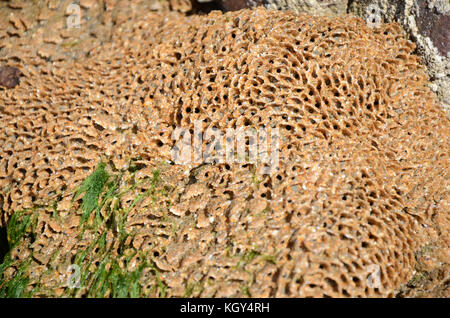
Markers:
point(218, 225)
point(315, 7)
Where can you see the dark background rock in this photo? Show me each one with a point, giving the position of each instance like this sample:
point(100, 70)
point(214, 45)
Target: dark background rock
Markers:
point(233, 5)
point(435, 25)
point(9, 76)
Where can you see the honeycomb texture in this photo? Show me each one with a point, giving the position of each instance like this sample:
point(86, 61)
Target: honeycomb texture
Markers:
point(364, 152)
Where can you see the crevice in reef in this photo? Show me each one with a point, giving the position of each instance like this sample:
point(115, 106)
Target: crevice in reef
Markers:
point(4, 246)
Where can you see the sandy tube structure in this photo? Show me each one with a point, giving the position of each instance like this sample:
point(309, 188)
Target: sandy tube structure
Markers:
point(95, 207)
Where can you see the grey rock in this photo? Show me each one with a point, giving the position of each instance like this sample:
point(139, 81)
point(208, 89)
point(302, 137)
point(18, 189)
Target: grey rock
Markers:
point(427, 23)
point(9, 76)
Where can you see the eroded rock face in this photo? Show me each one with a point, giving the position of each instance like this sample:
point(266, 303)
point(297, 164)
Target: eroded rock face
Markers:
point(364, 150)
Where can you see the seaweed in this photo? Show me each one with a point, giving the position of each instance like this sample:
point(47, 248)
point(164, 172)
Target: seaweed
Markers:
point(19, 227)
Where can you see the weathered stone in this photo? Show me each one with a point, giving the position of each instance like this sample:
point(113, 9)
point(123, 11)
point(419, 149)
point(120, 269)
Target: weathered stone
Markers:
point(9, 76)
